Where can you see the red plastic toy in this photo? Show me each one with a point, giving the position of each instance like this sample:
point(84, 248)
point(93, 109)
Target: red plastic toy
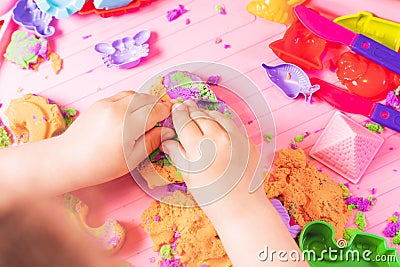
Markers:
point(301, 47)
point(89, 8)
point(364, 77)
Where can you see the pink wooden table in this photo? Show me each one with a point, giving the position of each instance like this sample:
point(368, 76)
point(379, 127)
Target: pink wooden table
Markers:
point(84, 79)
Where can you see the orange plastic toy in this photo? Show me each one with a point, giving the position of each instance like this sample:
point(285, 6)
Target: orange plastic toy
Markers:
point(301, 47)
point(365, 78)
point(89, 8)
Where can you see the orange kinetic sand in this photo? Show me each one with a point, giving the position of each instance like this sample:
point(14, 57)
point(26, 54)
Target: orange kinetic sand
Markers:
point(307, 193)
point(56, 62)
point(156, 175)
point(186, 230)
point(32, 118)
point(110, 235)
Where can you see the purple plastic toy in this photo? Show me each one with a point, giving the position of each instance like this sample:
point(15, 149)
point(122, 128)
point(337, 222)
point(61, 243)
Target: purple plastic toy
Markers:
point(126, 52)
point(294, 229)
point(291, 79)
point(27, 14)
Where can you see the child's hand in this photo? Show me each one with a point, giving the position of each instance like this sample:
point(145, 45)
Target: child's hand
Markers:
point(218, 163)
point(213, 155)
point(113, 130)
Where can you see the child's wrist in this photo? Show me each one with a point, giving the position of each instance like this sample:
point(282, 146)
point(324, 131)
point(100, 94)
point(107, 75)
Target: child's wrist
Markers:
point(237, 205)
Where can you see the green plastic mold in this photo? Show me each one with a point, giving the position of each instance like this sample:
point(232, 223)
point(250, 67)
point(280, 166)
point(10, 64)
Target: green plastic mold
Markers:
point(383, 31)
point(320, 248)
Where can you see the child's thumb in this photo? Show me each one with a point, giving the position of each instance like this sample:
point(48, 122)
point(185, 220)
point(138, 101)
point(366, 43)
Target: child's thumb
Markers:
point(155, 136)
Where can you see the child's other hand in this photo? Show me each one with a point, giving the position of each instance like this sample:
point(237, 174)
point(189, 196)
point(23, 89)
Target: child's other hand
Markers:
point(217, 160)
point(114, 127)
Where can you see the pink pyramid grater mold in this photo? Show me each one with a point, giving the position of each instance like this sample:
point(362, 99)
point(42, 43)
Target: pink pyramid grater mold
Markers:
point(346, 147)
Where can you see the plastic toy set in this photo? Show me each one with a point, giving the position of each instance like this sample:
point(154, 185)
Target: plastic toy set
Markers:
point(369, 72)
point(36, 16)
point(362, 50)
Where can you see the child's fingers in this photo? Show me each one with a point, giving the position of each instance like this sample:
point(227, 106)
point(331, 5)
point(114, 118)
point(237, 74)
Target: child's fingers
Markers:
point(144, 119)
point(188, 131)
point(146, 144)
point(226, 122)
point(144, 111)
point(206, 124)
point(154, 113)
point(140, 100)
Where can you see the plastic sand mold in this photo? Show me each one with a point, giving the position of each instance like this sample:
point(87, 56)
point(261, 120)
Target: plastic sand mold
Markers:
point(109, 4)
point(89, 8)
point(364, 77)
point(125, 53)
point(291, 79)
point(321, 250)
point(280, 11)
point(293, 229)
point(383, 31)
point(301, 47)
point(60, 8)
point(27, 14)
point(346, 147)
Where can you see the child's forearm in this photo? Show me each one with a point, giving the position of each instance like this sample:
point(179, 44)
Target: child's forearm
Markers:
point(258, 237)
point(35, 170)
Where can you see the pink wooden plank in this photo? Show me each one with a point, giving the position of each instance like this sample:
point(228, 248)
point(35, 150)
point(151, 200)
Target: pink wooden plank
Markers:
point(132, 211)
point(204, 52)
point(382, 211)
point(108, 197)
point(311, 126)
point(297, 113)
point(189, 38)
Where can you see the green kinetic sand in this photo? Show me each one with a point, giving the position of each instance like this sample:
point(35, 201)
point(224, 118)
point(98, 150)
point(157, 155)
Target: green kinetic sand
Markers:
point(25, 49)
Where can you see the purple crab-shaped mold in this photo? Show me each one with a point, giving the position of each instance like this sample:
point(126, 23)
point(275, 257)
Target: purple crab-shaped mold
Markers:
point(126, 52)
point(27, 14)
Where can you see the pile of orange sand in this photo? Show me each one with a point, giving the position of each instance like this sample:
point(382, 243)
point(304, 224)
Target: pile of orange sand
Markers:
point(187, 228)
point(306, 193)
